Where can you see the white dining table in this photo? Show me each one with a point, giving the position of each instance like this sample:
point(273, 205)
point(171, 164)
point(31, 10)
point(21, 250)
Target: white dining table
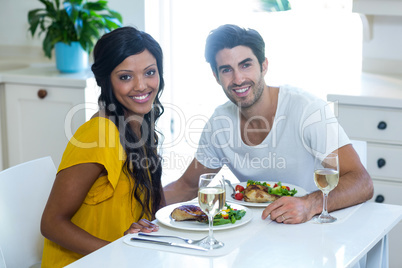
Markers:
point(358, 239)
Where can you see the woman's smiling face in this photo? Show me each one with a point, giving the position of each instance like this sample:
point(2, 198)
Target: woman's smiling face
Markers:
point(135, 83)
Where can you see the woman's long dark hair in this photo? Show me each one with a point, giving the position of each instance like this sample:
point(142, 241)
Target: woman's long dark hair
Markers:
point(142, 158)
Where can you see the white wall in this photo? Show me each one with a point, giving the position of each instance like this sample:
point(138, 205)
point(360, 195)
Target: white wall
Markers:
point(16, 43)
point(14, 19)
point(382, 51)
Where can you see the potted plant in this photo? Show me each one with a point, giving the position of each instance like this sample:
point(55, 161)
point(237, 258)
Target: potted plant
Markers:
point(72, 26)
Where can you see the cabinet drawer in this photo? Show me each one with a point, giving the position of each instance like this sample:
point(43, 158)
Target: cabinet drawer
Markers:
point(387, 192)
point(384, 161)
point(390, 193)
point(40, 120)
point(371, 123)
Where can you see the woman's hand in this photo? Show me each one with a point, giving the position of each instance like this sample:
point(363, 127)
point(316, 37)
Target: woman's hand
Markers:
point(143, 225)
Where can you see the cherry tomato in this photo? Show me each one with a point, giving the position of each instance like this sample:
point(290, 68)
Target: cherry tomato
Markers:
point(239, 188)
point(226, 216)
point(276, 185)
point(239, 196)
point(287, 188)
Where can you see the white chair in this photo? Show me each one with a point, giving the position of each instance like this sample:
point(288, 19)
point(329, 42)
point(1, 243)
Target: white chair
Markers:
point(24, 190)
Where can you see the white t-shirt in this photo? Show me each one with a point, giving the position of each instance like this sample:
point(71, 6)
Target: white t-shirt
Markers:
point(304, 126)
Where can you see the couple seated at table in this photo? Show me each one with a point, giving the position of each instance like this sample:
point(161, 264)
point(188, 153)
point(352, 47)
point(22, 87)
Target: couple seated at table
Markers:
point(109, 180)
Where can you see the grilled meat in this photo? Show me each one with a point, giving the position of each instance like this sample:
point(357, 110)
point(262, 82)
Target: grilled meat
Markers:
point(258, 194)
point(189, 213)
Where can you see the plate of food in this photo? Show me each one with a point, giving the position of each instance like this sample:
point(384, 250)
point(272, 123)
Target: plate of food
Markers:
point(261, 193)
point(189, 216)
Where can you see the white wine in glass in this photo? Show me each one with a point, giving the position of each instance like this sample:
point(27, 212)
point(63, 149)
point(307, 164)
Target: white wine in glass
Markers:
point(211, 198)
point(326, 177)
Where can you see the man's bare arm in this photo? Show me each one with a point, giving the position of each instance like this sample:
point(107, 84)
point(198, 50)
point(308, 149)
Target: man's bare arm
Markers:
point(186, 187)
point(355, 186)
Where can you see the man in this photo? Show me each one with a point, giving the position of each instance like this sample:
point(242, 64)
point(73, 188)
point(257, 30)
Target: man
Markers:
point(269, 133)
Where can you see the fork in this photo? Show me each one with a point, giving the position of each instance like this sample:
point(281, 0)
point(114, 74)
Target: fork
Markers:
point(231, 186)
point(187, 240)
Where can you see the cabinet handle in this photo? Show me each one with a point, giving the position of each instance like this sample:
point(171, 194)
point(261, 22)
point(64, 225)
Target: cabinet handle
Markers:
point(381, 162)
point(382, 125)
point(42, 93)
point(379, 198)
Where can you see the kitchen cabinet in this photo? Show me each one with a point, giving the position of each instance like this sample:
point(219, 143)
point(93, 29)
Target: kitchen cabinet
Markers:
point(38, 121)
point(373, 113)
point(382, 39)
point(40, 113)
point(378, 7)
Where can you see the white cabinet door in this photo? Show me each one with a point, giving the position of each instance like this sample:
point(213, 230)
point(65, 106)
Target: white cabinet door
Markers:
point(378, 7)
point(390, 193)
point(384, 161)
point(373, 124)
point(39, 125)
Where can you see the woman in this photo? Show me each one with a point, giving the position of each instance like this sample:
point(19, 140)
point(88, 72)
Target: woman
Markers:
point(109, 180)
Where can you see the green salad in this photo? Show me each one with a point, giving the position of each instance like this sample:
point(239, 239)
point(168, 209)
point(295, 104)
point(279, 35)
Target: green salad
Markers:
point(228, 215)
point(277, 189)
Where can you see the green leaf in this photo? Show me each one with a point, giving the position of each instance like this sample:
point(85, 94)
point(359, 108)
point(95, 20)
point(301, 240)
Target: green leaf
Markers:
point(48, 45)
point(34, 18)
point(111, 23)
point(75, 2)
point(92, 31)
point(240, 214)
point(116, 15)
point(275, 5)
point(221, 222)
point(72, 20)
point(97, 6)
point(50, 8)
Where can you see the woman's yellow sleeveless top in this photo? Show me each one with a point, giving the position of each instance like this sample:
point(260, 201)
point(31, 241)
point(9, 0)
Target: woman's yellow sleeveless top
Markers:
point(108, 210)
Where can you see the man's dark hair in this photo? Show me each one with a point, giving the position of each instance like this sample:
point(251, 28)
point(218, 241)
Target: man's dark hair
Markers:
point(230, 36)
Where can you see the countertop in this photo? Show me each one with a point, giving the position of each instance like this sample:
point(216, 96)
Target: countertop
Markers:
point(372, 89)
point(262, 243)
point(40, 73)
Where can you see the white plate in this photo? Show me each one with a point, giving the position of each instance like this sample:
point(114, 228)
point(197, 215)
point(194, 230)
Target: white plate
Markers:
point(163, 216)
point(300, 192)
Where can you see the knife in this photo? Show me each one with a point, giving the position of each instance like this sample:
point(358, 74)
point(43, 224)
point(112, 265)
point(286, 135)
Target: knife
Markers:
point(168, 243)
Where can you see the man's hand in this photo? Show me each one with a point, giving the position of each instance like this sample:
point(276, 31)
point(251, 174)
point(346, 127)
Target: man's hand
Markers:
point(186, 187)
point(355, 186)
point(289, 209)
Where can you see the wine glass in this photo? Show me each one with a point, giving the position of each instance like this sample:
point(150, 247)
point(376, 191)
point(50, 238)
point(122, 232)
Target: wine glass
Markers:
point(326, 177)
point(211, 198)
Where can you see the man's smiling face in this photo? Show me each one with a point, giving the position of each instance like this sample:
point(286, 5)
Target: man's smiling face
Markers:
point(240, 75)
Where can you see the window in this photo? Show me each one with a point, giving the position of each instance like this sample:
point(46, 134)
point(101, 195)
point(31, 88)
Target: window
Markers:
point(316, 45)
